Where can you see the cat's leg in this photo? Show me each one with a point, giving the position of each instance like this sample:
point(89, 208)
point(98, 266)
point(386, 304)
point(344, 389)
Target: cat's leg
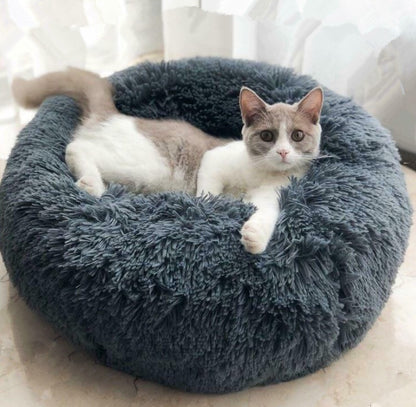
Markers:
point(207, 186)
point(258, 229)
point(84, 169)
point(210, 179)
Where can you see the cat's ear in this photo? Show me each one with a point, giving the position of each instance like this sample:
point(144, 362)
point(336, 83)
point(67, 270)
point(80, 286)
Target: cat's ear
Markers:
point(311, 104)
point(251, 105)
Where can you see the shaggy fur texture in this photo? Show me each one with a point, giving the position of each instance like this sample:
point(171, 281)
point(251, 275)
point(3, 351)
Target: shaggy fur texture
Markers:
point(161, 287)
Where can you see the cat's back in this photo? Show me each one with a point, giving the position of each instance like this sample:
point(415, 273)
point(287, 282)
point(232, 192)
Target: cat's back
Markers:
point(148, 155)
point(180, 143)
point(174, 135)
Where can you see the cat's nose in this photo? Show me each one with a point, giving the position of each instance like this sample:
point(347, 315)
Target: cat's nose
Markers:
point(283, 153)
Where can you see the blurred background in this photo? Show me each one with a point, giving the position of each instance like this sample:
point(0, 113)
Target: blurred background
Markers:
point(365, 49)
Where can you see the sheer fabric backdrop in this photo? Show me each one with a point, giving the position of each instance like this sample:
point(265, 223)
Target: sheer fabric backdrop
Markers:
point(366, 49)
point(38, 36)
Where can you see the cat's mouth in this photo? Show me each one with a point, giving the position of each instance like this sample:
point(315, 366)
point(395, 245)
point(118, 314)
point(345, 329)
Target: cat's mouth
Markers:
point(284, 161)
point(282, 165)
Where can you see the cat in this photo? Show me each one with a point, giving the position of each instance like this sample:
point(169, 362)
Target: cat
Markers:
point(144, 155)
point(279, 141)
point(149, 155)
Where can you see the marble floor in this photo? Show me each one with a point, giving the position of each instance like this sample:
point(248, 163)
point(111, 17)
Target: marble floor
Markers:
point(40, 368)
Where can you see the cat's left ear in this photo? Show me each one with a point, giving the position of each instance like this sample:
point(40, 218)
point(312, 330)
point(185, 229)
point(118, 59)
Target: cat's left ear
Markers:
point(312, 103)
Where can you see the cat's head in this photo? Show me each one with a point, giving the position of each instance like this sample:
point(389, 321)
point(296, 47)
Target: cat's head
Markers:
point(281, 136)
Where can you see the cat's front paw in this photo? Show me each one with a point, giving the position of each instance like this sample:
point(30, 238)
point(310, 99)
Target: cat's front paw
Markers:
point(254, 236)
point(91, 185)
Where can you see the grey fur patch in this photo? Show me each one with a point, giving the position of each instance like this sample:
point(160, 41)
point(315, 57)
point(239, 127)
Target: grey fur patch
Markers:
point(182, 144)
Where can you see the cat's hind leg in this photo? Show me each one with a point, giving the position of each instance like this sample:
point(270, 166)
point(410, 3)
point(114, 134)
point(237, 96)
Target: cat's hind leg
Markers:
point(84, 169)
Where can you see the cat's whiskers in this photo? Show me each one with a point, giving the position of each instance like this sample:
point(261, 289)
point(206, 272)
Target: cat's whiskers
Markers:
point(305, 158)
point(310, 157)
point(258, 161)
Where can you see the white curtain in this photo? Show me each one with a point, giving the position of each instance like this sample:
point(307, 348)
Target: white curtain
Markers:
point(38, 36)
point(365, 49)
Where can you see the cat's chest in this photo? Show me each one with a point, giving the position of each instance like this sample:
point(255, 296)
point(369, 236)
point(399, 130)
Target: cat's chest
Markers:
point(276, 180)
point(243, 182)
point(242, 174)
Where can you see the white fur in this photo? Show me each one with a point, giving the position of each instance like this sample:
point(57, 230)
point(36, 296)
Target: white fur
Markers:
point(115, 151)
point(230, 169)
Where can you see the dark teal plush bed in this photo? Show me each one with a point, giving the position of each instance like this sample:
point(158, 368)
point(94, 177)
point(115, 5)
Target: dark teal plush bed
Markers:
point(160, 286)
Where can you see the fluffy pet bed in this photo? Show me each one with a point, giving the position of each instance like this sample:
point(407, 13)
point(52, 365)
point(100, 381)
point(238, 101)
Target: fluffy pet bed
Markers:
point(161, 287)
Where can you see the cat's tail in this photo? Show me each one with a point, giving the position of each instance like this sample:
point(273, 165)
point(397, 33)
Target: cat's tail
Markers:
point(93, 93)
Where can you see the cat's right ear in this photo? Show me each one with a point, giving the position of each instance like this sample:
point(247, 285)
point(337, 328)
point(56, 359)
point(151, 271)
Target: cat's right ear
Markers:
point(251, 105)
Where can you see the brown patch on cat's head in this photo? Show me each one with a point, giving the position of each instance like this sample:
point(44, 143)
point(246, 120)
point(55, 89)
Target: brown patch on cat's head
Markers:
point(281, 136)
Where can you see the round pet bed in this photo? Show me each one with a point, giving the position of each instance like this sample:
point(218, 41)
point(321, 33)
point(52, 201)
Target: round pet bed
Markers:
point(161, 287)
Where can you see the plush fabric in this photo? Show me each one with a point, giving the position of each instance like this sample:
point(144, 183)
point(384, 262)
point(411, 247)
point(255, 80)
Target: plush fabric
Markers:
point(161, 287)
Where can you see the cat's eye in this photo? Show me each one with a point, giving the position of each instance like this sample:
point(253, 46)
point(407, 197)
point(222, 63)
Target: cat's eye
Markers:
point(266, 135)
point(298, 135)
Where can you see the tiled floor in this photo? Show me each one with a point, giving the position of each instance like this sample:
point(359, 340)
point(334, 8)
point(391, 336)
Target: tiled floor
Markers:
point(40, 368)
